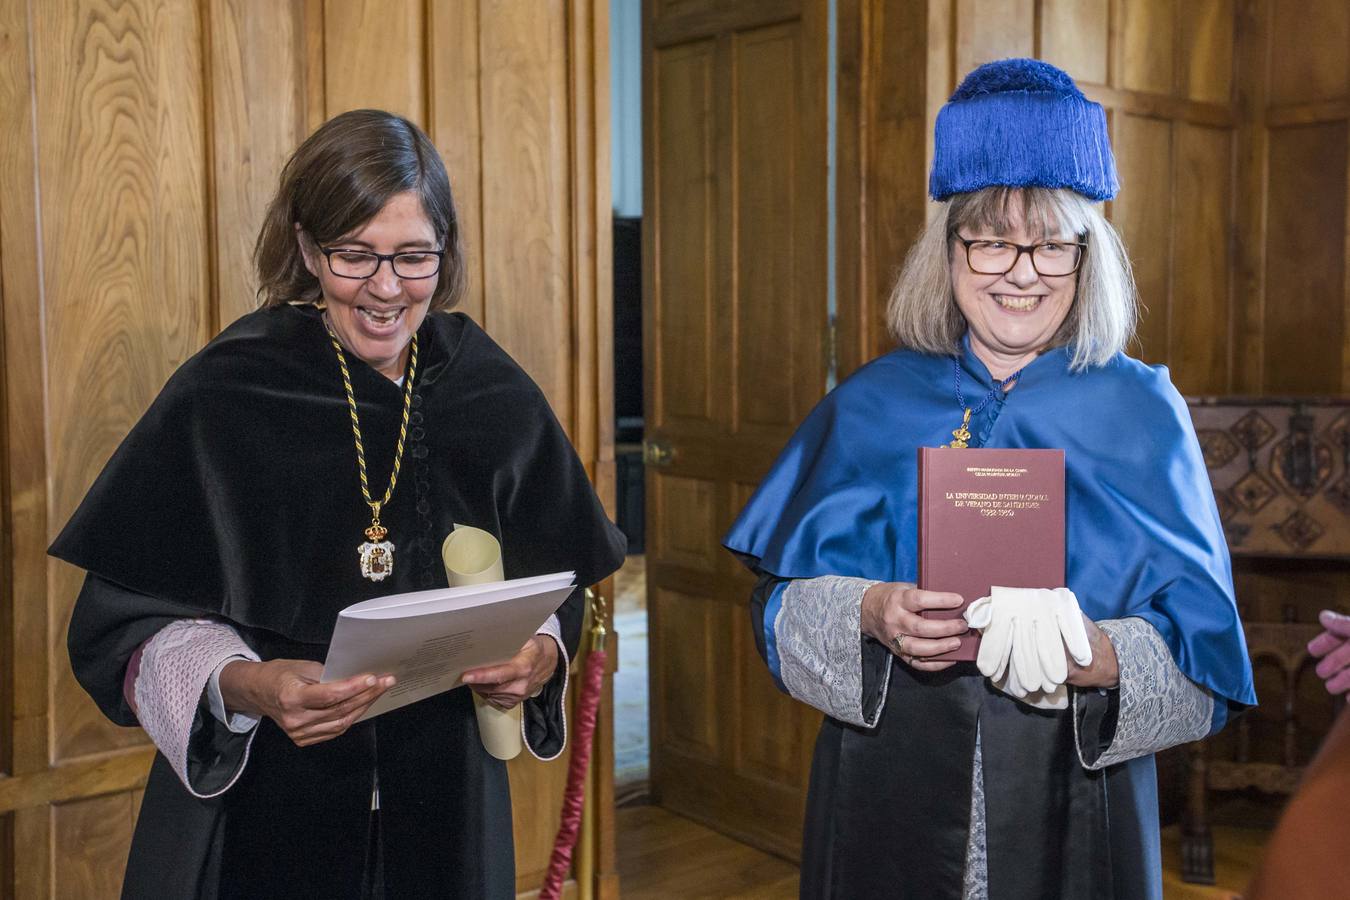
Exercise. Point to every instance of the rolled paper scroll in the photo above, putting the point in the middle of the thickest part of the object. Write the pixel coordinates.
(473, 556)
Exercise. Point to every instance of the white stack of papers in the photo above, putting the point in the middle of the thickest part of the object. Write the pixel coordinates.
(428, 639)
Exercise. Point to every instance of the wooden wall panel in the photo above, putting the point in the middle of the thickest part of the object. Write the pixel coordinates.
(1146, 45)
(91, 839)
(1144, 155)
(1205, 41)
(526, 196)
(1201, 220)
(125, 279)
(374, 55)
(884, 140)
(993, 29)
(7, 857)
(590, 203)
(24, 742)
(456, 128)
(1075, 35)
(33, 864)
(1308, 41)
(1305, 260)
(256, 86)
(1250, 84)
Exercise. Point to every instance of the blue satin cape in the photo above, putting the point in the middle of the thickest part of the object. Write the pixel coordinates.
(1143, 539)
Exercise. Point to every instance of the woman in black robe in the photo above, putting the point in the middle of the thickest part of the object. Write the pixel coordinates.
(221, 541)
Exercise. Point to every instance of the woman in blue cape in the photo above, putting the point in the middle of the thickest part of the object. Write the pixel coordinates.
(1030, 774)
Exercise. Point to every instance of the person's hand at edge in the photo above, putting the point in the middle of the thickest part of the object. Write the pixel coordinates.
(1332, 648)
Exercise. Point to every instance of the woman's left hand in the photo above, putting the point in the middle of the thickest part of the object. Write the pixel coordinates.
(520, 677)
(1104, 670)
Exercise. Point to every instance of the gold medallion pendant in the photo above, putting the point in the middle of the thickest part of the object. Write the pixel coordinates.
(377, 554)
(962, 434)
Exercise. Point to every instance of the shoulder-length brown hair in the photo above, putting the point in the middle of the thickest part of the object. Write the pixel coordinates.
(336, 181)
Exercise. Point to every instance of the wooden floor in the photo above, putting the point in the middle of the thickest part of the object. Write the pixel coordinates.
(662, 855)
(1236, 854)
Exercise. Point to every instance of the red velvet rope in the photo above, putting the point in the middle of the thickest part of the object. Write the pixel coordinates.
(588, 704)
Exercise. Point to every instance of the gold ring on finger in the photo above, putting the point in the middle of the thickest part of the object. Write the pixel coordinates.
(899, 642)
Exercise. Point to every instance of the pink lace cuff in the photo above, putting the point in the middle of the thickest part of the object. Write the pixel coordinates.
(167, 675)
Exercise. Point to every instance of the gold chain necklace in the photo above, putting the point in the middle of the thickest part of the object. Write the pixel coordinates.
(377, 554)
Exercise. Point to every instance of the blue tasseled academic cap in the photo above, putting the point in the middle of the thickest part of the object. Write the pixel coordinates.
(1021, 123)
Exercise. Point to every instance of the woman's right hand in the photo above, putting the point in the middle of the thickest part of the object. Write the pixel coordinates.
(891, 614)
(1332, 649)
(288, 692)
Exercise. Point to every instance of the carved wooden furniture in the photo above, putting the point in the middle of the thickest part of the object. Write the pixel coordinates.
(1285, 645)
(1280, 472)
(1280, 469)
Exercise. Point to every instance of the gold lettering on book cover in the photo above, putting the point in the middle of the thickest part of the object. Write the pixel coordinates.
(996, 504)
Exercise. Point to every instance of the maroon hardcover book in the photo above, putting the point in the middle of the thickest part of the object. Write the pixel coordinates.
(989, 517)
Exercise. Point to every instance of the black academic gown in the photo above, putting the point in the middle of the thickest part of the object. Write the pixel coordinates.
(236, 497)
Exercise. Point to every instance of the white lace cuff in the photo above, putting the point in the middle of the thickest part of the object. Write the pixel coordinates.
(1159, 707)
(176, 665)
(239, 723)
(819, 639)
(553, 628)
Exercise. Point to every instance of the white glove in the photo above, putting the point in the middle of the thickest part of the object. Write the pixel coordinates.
(1025, 635)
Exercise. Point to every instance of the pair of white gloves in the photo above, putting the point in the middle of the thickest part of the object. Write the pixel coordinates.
(1028, 634)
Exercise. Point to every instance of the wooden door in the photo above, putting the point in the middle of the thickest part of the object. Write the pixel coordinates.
(736, 320)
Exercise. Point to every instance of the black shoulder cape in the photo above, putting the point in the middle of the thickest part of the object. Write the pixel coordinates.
(237, 493)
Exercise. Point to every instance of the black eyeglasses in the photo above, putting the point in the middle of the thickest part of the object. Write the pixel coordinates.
(360, 264)
(1048, 258)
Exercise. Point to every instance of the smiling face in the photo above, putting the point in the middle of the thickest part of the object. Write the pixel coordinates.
(376, 317)
(1011, 317)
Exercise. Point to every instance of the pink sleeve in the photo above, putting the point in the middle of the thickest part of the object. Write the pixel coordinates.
(172, 671)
